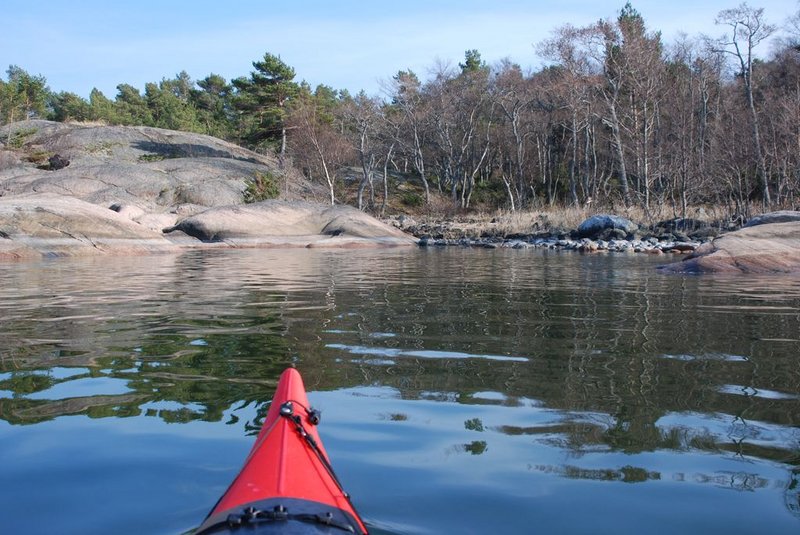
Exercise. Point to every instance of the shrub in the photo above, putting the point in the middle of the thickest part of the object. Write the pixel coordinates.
(19, 137)
(261, 187)
(151, 158)
(38, 157)
(411, 198)
(160, 156)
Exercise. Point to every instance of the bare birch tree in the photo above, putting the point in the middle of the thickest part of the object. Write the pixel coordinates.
(748, 30)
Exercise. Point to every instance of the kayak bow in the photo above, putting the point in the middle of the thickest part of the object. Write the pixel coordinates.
(287, 484)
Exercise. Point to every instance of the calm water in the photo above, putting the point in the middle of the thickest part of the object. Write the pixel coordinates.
(463, 391)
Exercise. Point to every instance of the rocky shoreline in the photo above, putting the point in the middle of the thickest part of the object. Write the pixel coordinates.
(767, 244)
(78, 190)
(586, 245)
(599, 233)
(85, 190)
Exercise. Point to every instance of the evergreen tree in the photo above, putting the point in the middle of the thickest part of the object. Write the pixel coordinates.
(181, 86)
(101, 107)
(262, 99)
(24, 96)
(472, 62)
(131, 108)
(169, 105)
(212, 103)
(67, 106)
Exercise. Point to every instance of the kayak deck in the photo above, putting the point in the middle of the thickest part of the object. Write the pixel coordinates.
(287, 484)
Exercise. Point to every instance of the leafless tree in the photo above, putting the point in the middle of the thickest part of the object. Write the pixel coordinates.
(318, 147)
(512, 95)
(578, 82)
(748, 29)
(615, 116)
(362, 115)
(406, 95)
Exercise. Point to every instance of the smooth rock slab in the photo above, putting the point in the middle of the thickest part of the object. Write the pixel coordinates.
(290, 223)
(781, 216)
(54, 225)
(152, 168)
(768, 248)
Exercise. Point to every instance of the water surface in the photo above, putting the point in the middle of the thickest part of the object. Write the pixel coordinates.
(463, 391)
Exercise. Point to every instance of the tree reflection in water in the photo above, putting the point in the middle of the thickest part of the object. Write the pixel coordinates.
(613, 356)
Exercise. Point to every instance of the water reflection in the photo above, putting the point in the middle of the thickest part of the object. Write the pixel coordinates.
(599, 365)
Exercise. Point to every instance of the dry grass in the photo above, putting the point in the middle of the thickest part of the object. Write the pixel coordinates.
(442, 212)
(97, 122)
(572, 217)
(549, 220)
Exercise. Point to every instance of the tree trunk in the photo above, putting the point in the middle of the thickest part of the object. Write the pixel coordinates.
(386, 178)
(329, 179)
(573, 189)
(282, 155)
(419, 164)
(762, 166)
(619, 151)
(510, 193)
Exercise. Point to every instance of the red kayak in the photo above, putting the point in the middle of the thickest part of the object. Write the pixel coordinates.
(287, 484)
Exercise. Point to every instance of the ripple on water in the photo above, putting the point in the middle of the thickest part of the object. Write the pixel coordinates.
(85, 387)
(722, 357)
(375, 362)
(171, 406)
(712, 430)
(419, 353)
(60, 372)
(460, 432)
(750, 391)
(382, 335)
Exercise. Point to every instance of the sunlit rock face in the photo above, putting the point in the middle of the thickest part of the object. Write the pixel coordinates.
(764, 248)
(75, 189)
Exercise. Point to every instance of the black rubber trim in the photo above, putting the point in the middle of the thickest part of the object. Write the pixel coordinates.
(287, 516)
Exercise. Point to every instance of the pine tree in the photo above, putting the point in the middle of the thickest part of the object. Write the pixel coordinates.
(68, 106)
(24, 96)
(263, 99)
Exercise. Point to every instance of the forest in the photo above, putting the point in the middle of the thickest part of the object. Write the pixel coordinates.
(615, 117)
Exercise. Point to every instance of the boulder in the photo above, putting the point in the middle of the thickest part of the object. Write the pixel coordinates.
(157, 222)
(782, 216)
(766, 248)
(606, 227)
(56, 162)
(682, 224)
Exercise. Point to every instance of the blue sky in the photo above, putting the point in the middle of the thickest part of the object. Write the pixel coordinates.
(346, 44)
